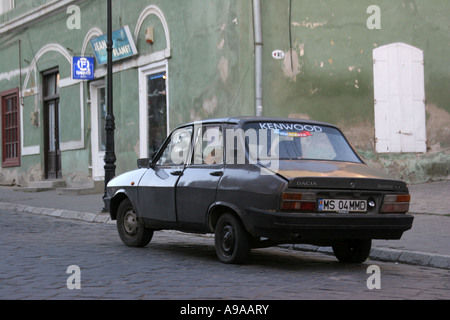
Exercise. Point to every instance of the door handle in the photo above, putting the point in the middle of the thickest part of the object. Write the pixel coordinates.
(177, 173)
(216, 173)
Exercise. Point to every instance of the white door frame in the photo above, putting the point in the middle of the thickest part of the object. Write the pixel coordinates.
(157, 67)
(98, 171)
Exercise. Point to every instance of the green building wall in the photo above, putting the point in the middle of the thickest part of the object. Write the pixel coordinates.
(327, 72)
(330, 77)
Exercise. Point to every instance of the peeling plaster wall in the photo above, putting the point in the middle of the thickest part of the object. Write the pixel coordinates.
(331, 47)
(438, 128)
(215, 76)
(327, 71)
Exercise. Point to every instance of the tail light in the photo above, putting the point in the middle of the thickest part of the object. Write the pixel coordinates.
(298, 201)
(395, 203)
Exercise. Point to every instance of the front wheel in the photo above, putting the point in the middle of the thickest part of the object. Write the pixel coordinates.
(132, 231)
(232, 241)
(353, 251)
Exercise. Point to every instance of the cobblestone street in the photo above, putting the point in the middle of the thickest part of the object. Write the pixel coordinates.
(36, 252)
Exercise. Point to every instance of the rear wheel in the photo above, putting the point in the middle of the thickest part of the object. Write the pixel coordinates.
(353, 251)
(232, 241)
(132, 231)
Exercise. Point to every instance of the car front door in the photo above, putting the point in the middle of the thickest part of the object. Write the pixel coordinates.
(157, 187)
(196, 189)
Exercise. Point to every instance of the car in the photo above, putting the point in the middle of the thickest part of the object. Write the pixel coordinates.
(257, 182)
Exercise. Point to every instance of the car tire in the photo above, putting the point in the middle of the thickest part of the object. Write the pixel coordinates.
(132, 231)
(353, 251)
(232, 241)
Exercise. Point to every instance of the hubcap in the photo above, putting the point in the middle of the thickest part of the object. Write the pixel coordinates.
(228, 239)
(130, 222)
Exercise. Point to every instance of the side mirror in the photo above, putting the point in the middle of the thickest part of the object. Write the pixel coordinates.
(143, 163)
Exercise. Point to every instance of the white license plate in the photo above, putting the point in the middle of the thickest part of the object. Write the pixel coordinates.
(339, 205)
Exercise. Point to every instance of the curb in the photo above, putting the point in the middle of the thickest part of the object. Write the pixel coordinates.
(389, 255)
(377, 253)
(59, 213)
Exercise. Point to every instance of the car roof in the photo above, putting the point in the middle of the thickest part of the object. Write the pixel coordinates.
(245, 119)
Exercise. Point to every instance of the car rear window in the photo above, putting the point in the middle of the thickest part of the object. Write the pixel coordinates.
(296, 141)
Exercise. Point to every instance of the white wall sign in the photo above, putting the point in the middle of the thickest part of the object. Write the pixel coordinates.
(278, 54)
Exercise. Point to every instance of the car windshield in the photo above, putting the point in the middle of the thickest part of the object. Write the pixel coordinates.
(295, 140)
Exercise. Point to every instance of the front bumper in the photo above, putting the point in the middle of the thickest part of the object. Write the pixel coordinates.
(286, 226)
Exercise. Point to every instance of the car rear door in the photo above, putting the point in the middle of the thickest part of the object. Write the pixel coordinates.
(196, 189)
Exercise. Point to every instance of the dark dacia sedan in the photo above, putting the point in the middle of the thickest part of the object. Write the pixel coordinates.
(259, 182)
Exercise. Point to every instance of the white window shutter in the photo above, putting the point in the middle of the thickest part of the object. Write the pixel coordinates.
(399, 99)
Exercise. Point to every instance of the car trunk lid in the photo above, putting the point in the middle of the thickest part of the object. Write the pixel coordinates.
(337, 175)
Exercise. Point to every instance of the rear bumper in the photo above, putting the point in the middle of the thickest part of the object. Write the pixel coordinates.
(281, 226)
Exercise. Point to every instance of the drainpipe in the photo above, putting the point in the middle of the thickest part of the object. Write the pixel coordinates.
(258, 57)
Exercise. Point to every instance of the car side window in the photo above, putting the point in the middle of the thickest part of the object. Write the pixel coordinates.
(178, 149)
(208, 147)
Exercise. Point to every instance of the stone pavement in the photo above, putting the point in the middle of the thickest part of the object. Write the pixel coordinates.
(426, 244)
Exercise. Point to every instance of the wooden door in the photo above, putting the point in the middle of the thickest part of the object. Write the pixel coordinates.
(52, 150)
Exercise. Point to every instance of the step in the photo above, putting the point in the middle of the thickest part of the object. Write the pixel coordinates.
(77, 191)
(49, 184)
(44, 185)
(92, 187)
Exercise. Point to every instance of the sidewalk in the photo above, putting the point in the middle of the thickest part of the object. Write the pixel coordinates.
(426, 244)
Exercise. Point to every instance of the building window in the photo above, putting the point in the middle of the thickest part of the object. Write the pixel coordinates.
(157, 110)
(153, 108)
(10, 128)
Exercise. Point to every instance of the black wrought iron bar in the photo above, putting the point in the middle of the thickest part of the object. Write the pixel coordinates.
(110, 156)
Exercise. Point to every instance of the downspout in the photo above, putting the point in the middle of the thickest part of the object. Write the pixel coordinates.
(258, 57)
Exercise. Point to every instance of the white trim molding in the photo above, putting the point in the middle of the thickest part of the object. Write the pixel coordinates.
(51, 47)
(67, 82)
(94, 32)
(35, 15)
(152, 9)
(161, 66)
(149, 63)
(97, 163)
(45, 49)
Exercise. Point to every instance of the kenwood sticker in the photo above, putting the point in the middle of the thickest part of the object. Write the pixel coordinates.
(289, 126)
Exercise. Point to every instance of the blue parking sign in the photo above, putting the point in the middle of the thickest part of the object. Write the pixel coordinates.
(83, 68)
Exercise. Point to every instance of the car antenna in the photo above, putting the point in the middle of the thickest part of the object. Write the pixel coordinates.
(238, 92)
